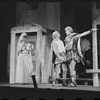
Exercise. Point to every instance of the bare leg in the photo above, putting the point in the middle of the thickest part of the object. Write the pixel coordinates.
(64, 74)
(73, 71)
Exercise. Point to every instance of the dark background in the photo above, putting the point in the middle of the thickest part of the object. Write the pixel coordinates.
(82, 22)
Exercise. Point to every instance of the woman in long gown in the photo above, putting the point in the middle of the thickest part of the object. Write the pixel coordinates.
(24, 68)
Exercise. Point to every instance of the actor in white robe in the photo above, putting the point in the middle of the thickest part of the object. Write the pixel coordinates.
(60, 57)
(24, 68)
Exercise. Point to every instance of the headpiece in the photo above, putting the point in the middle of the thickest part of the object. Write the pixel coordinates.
(22, 36)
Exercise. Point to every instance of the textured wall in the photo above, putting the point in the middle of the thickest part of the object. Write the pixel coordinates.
(47, 14)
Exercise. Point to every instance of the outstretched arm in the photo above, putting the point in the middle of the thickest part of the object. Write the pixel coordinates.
(85, 33)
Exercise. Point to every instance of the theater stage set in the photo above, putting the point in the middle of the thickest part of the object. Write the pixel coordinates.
(41, 38)
(89, 90)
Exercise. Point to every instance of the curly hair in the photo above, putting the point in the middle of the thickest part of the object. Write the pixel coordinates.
(69, 29)
(56, 34)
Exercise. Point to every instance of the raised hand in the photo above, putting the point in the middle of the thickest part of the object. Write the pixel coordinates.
(94, 29)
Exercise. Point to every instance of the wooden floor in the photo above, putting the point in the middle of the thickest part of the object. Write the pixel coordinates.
(59, 86)
(48, 92)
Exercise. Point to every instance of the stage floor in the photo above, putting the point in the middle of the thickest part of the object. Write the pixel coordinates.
(49, 86)
(48, 92)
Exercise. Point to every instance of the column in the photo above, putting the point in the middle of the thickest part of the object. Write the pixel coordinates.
(96, 80)
(12, 58)
(38, 55)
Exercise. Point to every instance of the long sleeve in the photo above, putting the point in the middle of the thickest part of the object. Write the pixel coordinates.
(19, 47)
(55, 49)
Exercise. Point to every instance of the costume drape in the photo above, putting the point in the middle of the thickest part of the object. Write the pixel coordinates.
(24, 67)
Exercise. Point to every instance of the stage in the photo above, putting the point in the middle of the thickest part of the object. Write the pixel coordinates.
(48, 92)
